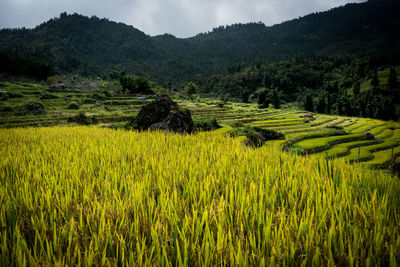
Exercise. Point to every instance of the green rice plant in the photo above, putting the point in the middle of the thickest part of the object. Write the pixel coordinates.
(323, 132)
(323, 142)
(368, 126)
(366, 153)
(395, 135)
(385, 134)
(94, 196)
(344, 148)
(359, 123)
(262, 122)
(383, 157)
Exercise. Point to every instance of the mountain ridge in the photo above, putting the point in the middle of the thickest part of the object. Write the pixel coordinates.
(92, 46)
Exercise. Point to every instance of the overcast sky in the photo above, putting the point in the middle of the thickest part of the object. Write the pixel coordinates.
(182, 18)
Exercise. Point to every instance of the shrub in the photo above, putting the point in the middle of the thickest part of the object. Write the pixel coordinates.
(33, 108)
(206, 124)
(5, 97)
(109, 93)
(191, 90)
(15, 94)
(254, 139)
(88, 101)
(135, 84)
(120, 125)
(262, 106)
(269, 134)
(6, 109)
(98, 96)
(48, 96)
(82, 119)
(237, 124)
(73, 105)
(257, 136)
(369, 136)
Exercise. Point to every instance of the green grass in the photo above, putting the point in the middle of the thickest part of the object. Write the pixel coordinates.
(344, 148)
(369, 126)
(311, 144)
(323, 132)
(383, 157)
(385, 134)
(367, 152)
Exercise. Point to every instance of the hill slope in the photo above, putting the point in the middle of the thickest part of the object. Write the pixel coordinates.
(78, 44)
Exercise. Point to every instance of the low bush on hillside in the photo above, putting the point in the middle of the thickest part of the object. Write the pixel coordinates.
(6, 109)
(45, 96)
(73, 105)
(257, 136)
(15, 94)
(206, 124)
(31, 108)
(87, 100)
(82, 119)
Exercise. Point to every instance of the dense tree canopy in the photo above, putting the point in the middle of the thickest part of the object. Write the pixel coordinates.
(135, 84)
(96, 47)
(349, 85)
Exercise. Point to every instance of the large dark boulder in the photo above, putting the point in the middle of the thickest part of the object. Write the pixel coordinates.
(164, 114)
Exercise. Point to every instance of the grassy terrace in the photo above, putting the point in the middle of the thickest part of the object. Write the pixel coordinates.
(343, 149)
(310, 145)
(340, 136)
(324, 135)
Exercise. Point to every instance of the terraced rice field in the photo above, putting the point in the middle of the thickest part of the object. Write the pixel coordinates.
(341, 137)
(335, 136)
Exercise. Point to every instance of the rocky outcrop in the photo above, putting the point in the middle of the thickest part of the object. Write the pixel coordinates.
(164, 114)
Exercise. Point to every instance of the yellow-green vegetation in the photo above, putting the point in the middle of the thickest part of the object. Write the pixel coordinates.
(367, 151)
(357, 140)
(92, 196)
(324, 142)
(344, 148)
(383, 157)
(340, 135)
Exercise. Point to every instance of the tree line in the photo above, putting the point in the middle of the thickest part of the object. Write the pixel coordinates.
(346, 85)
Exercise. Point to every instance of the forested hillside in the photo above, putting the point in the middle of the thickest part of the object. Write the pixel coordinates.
(344, 85)
(92, 46)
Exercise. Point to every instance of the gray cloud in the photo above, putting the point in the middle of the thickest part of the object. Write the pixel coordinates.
(182, 18)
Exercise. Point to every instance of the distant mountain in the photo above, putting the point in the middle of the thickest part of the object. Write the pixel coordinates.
(93, 46)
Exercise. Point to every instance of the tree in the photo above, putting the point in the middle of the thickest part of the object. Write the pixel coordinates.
(245, 95)
(340, 105)
(191, 90)
(392, 81)
(356, 88)
(308, 102)
(276, 100)
(375, 80)
(321, 103)
(263, 99)
(328, 104)
(168, 86)
(135, 84)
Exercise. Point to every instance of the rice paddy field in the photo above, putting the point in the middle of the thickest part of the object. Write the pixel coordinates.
(341, 137)
(90, 195)
(94, 196)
